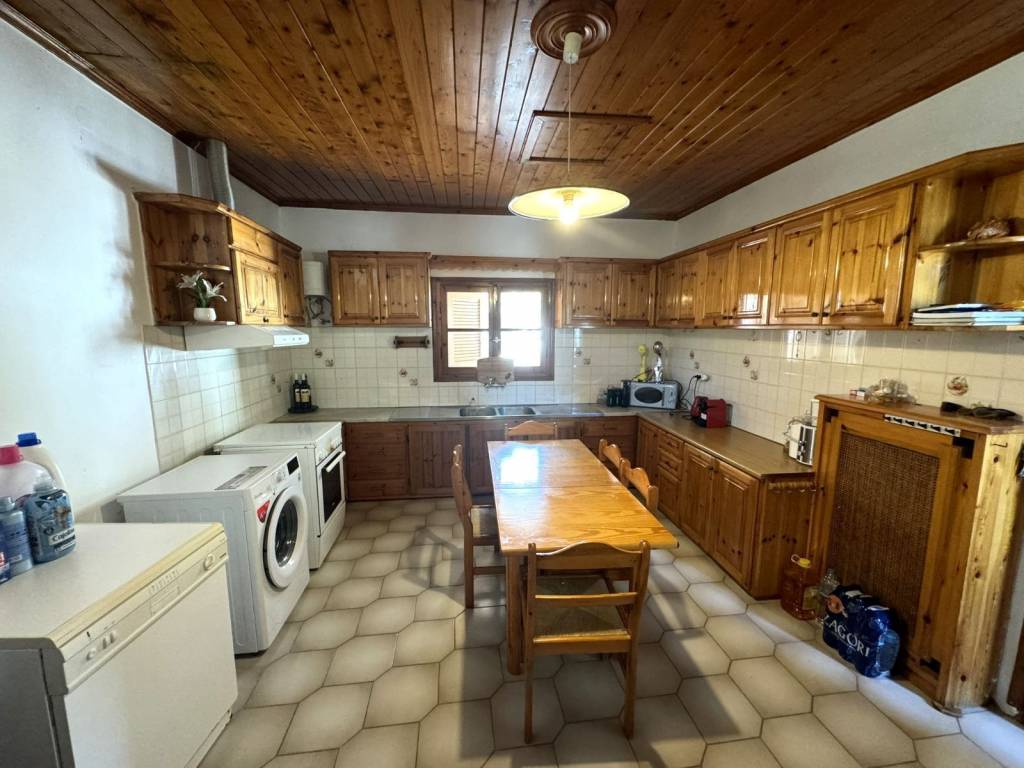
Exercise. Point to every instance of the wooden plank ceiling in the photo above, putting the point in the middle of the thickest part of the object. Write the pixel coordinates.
(431, 104)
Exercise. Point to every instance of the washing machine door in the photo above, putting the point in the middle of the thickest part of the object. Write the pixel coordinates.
(284, 536)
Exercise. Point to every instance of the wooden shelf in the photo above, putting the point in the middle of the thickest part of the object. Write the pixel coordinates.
(989, 244)
(189, 267)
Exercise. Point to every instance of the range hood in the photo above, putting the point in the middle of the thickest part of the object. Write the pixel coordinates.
(231, 336)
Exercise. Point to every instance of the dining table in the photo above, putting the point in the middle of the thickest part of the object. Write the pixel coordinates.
(555, 493)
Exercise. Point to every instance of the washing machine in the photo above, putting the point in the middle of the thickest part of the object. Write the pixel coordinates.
(259, 500)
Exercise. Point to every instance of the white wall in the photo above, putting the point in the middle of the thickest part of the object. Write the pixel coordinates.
(983, 111)
(73, 297)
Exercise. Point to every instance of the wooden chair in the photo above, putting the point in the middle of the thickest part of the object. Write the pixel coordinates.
(532, 430)
(636, 477)
(611, 454)
(566, 615)
(479, 526)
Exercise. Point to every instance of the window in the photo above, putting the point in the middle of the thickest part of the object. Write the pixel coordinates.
(476, 318)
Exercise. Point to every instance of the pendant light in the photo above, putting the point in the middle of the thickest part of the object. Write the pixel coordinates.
(568, 203)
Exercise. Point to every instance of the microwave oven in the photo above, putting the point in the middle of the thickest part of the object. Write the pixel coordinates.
(663, 395)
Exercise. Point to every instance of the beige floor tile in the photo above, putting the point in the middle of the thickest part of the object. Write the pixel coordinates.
(406, 582)
(385, 512)
(362, 660)
(741, 593)
(440, 603)
(778, 624)
(739, 637)
(751, 753)
(650, 628)
(331, 573)
(662, 556)
(687, 547)
(771, 689)
(588, 690)
(694, 652)
(419, 506)
(480, 626)
(447, 573)
(328, 629)
(655, 673)
(446, 502)
(699, 569)
(391, 614)
(422, 556)
(488, 591)
(310, 602)
(594, 744)
(423, 642)
(434, 535)
(471, 720)
(325, 759)
(1000, 737)
(545, 666)
(507, 707)
(392, 542)
(328, 718)
(246, 678)
(251, 738)
(442, 517)
(375, 564)
(367, 530)
(817, 667)
(407, 523)
(350, 549)
(955, 751)
(719, 708)
(716, 599)
(867, 734)
(665, 578)
(291, 678)
(354, 593)
(392, 746)
(676, 611)
(281, 645)
(665, 735)
(907, 707)
(541, 756)
(801, 741)
(403, 695)
(470, 673)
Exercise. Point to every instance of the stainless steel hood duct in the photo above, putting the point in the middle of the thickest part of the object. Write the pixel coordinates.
(220, 178)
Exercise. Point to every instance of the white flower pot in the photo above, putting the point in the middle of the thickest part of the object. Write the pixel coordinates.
(204, 314)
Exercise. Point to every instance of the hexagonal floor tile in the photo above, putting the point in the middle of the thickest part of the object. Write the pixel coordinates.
(251, 738)
(419, 506)
(291, 678)
(447, 573)
(588, 690)
(665, 578)
(507, 707)
(325, 759)
(719, 708)
(367, 530)
(664, 734)
(694, 652)
(480, 626)
(545, 666)
(392, 746)
(650, 628)
(331, 573)
(676, 611)
(406, 582)
(354, 593)
(393, 541)
(821, 671)
(362, 659)
(955, 751)
(384, 512)
(779, 625)
(699, 569)
(867, 734)
(328, 629)
(309, 603)
(327, 719)
(471, 720)
(739, 637)
(802, 741)
(750, 753)
(425, 641)
(375, 564)
(407, 523)
(350, 549)
(391, 614)
(403, 695)
(592, 744)
(716, 599)
(421, 556)
(905, 705)
(470, 673)
(440, 603)
(541, 756)
(771, 689)
(655, 674)
(442, 517)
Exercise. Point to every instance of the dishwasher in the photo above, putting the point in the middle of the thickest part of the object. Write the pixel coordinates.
(118, 655)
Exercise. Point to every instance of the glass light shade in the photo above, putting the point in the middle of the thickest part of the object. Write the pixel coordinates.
(554, 203)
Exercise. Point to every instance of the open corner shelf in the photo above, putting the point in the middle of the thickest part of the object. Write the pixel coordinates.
(989, 244)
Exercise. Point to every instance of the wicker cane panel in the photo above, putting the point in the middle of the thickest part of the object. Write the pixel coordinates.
(880, 522)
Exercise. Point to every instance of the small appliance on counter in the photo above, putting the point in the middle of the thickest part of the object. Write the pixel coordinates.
(645, 394)
(800, 435)
(708, 412)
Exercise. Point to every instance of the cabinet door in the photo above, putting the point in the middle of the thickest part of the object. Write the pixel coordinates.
(567, 429)
(292, 299)
(717, 303)
(632, 294)
(647, 450)
(587, 301)
(430, 457)
(666, 314)
(690, 281)
(479, 433)
(377, 461)
(733, 515)
(354, 296)
(695, 497)
(798, 279)
(751, 277)
(259, 293)
(670, 455)
(404, 290)
(866, 254)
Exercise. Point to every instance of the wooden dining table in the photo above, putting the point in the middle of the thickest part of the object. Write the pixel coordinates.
(554, 493)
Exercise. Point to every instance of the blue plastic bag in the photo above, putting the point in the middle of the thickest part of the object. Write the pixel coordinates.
(858, 627)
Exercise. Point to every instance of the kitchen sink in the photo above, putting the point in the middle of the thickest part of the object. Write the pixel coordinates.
(483, 410)
(516, 410)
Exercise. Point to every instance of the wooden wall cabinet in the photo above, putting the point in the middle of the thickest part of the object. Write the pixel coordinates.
(799, 269)
(379, 288)
(596, 294)
(293, 299)
(430, 456)
(259, 289)
(678, 289)
(716, 304)
(587, 296)
(751, 277)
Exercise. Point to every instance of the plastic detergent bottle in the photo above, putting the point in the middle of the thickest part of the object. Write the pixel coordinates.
(799, 589)
(51, 526)
(32, 449)
(18, 477)
(12, 525)
(5, 564)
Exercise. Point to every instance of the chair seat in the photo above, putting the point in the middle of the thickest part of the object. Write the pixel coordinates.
(485, 520)
(575, 620)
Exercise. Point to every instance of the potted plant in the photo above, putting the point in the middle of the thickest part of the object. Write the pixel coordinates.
(204, 292)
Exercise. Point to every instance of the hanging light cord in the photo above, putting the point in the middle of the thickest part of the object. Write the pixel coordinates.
(568, 151)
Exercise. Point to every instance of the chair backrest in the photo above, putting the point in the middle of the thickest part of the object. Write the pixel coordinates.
(531, 430)
(611, 454)
(460, 488)
(636, 477)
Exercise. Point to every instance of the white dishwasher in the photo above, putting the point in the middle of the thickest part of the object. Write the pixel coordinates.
(118, 655)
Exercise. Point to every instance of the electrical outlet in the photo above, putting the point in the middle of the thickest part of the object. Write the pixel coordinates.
(704, 377)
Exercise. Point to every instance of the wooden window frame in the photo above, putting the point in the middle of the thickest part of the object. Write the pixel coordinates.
(439, 287)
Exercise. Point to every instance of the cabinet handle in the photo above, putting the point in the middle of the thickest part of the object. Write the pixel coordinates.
(825, 314)
(814, 314)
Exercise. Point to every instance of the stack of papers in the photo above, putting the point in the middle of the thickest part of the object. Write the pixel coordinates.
(967, 315)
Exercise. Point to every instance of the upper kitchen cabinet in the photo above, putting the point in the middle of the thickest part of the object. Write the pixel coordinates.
(678, 285)
(867, 248)
(260, 270)
(379, 288)
(606, 293)
(801, 261)
(751, 277)
(716, 305)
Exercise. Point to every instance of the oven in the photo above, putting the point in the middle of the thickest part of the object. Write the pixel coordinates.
(330, 486)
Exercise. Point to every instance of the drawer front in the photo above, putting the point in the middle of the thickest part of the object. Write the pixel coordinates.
(670, 446)
(668, 464)
(611, 426)
(363, 490)
(375, 433)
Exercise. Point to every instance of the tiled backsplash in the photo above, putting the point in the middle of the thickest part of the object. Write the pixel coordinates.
(201, 397)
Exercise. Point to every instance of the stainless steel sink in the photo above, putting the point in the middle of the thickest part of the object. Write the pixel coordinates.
(482, 410)
(516, 410)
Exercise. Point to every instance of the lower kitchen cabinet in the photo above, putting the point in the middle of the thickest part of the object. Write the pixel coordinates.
(734, 510)
(695, 509)
(620, 430)
(376, 461)
(669, 474)
(430, 456)
(479, 433)
(647, 449)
